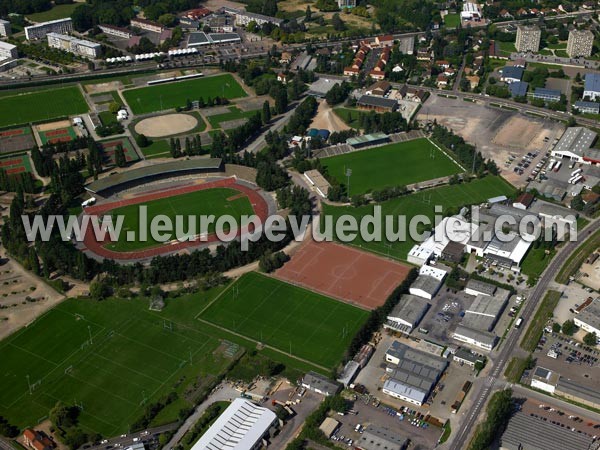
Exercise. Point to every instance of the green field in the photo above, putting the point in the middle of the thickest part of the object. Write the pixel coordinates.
(41, 105)
(171, 95)
(209, 201)
(536, 261)
(158, 149)
(134, 354)
(57, 12)
(395, 164)
(234, 114)
(450, 197)
(452, 20)
(289, 318)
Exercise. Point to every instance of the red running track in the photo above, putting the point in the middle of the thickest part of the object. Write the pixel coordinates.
(261, 209)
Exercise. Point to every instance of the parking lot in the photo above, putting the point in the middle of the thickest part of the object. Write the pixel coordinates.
(444, 315)
(407, 422)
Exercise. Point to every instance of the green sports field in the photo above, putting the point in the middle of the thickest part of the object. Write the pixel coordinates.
(171, 95)
(133, 355)
(451, 198)
(395, 164)
(217, 201)
(41, 105)
(315, 327)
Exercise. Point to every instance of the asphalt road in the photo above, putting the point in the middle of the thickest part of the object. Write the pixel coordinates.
(461, 438)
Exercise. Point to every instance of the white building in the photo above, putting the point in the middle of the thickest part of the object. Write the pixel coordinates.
(147, 25)
(318, 181)
(508, 249)
(580, 43)
(591, 88)
(242, 426)
(407, 314)
(73, 45)
(588, 318)
(39, 31)
(8, 51)
(476, 287)
(575, 141)
(320, 384)
(544, 380)
(470, 11)
(480, 339)
(5, 29)
(243, 18)
(528, 38)
(116, 31)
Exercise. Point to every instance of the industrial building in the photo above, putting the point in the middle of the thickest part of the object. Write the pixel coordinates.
(485, 310)
(528, 38)
(39, 31)
(320, 384)
(73, 45)
(466, 356)
(580, 43)
(200, 38)
(242, 426)
(574, 143)
(476, 338)
(8, 51)
(5, 28)
(525, 432)
(407, 314)
(367, 140)
(579, 393)
(507, 250)
(591, 86)
(470, 11)
(412, 373)
(588, 318)
(428, 283)
(350, 371)
(518, 88)
(328, 426)
(544, 379)
(381, 438)
(476, 287)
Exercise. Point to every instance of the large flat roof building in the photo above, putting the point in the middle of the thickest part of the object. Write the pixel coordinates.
(244, 18)
(544, 379)
(477, 287)
(381, 438)
(320, 384)
(5, 28)
(588, 318)
(476, 338)
(528, 38)
(407, 314)
(425, 286)
(572, 390)
(413, 373)
(376, 103)
(242, 426)
(580, 43)
(574, 143)
(40, 30)
(525, 432)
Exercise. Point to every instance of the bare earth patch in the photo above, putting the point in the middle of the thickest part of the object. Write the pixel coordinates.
(328, 120)
(168, 125)
(53, 125)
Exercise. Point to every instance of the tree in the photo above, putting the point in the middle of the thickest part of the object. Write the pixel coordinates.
(281, 101)
(569, 328)
(99, 290)
(34, 263)
(270, 8)
(63, 416)
(590, 339)
(266, 113)
(120, 160)
(338, 23)
(114, 107)
(308, 14)
(556, 328)
(142, 140)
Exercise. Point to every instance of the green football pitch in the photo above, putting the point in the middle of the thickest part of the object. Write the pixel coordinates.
(110, 358)
(215, 201)
(171, 95)
(395, 164)
(292, 319)
(41, 105)
(450, 198)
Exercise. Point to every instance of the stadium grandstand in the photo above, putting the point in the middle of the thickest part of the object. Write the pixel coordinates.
(125, 180)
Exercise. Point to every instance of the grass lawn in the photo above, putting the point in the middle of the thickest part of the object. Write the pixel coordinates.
(157, 149)
(395, 164)
(536, 261)
(452, 20)
(170, 95)
(209, 201)
(577, 258)
(41, 105)
(131, 356)
(506, 47)
(449, 197)
(234, 114)
(287, 317)
(57, 12)
(537, 324)
(107, 118)
(350, 116)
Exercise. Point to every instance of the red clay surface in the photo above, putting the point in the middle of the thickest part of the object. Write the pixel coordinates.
(261, 209)
(11, 133)
(343, 272)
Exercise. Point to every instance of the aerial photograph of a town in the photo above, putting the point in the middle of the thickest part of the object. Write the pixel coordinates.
(299, 224)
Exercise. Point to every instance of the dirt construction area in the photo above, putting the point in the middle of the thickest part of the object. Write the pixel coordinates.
(22, 297)
(326, 119)
(343, 272)
(497, 133)
(168, 125)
